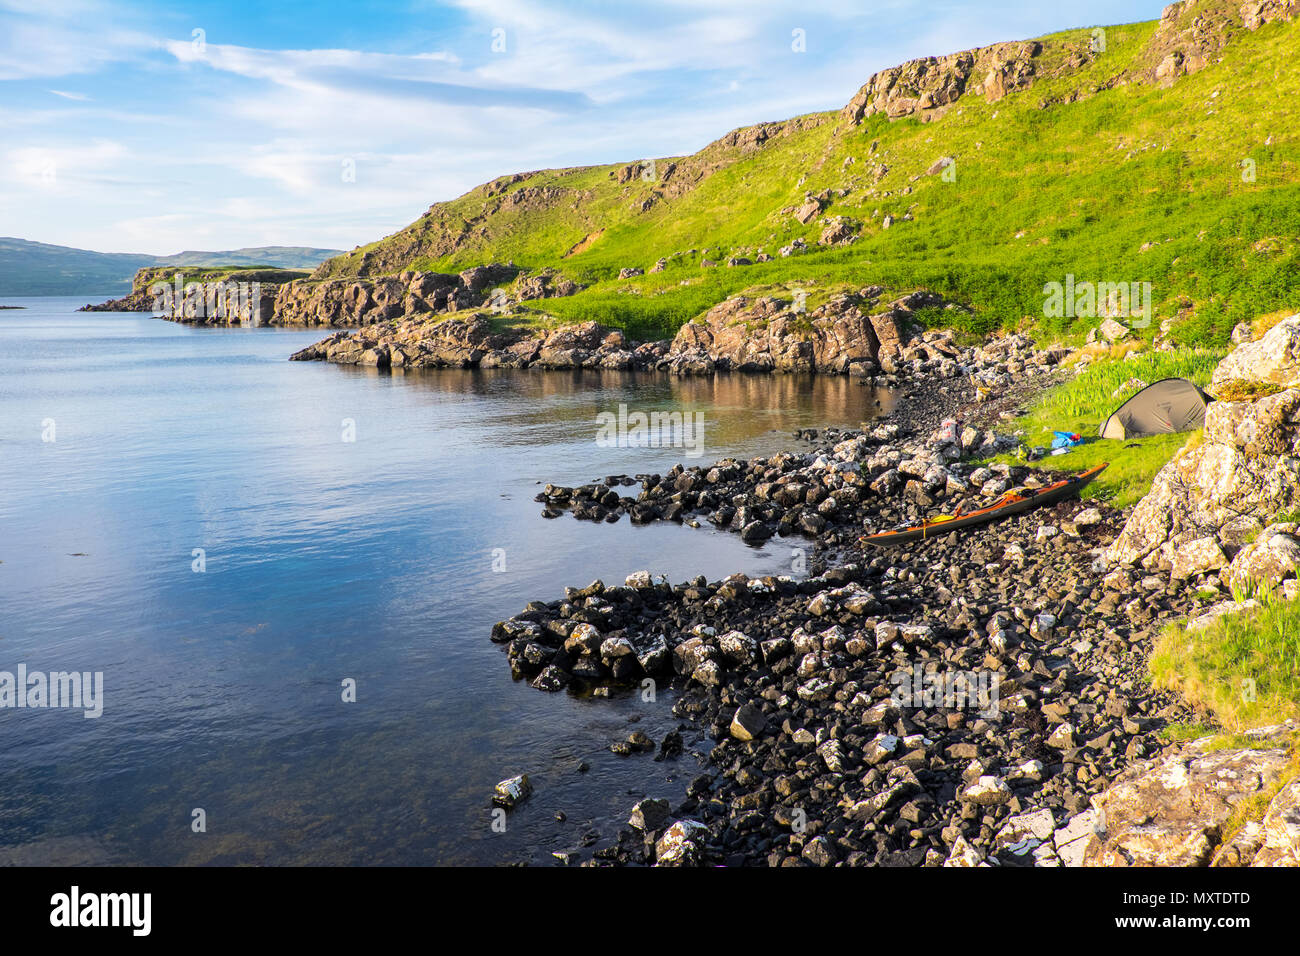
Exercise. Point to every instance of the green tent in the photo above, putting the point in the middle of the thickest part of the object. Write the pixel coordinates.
(1162, 408)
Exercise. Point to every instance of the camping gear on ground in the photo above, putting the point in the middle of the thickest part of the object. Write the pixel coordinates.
(1013, 502)
(1066, 440)
(1162, 408)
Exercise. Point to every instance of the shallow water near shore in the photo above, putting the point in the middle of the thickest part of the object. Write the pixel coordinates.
(383, 559)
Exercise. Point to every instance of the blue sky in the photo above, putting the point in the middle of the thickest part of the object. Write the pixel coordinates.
(155, 127)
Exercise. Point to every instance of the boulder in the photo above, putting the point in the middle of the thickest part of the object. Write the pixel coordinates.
(987, 791)
(1274, 359)
(1266, 561)
(748, 722)
(1113, 331)
(649, 815)
(510, 793)
(1025, 832)
(1198, 557)
(682, 844)
(927, 87)
(963, 854)
(1169, 811)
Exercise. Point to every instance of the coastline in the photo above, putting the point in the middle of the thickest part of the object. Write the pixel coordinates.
(785, 682)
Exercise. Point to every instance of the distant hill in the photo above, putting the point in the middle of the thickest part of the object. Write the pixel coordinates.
(37, 268)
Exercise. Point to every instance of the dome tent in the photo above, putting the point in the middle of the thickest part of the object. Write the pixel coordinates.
(1162, 408)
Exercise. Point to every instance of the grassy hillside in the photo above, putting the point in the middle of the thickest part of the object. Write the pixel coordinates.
(1099, 171)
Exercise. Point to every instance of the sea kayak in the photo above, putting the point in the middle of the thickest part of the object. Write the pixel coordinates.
(1012, 503)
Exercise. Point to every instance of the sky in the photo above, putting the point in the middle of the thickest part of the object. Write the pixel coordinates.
(154, 127)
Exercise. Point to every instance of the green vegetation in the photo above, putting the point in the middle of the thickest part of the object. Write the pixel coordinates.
(1237, 390)
(1080, 174)
(1082, 404)
(217, 273)
(1185, 733)
(1086, 401)
(1244, 669)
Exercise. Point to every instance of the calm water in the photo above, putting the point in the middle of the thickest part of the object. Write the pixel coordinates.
(325, 560)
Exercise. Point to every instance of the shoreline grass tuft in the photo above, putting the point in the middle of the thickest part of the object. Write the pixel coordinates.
(1244, 669)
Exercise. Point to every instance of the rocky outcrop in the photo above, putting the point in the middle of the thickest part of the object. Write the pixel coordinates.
(1188, 37)
(1245, 471)
(1192, 33)
(1280, 836)
(927, 87)
(1256, 13)
(850, 334)
(385, 298)
(1173, 810)
(847, 334)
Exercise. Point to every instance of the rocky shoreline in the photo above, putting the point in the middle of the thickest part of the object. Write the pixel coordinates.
(978, 699)
(811, 757)
(854, 333)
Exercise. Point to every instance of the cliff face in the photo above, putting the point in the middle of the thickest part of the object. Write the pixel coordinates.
(927, 87)
(344, 302)
(1189, 35)
(412, 293)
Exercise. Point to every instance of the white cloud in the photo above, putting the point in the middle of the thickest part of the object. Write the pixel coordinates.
(63, 39)
(61, 168)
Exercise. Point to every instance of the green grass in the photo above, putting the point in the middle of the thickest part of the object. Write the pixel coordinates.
(1044, 187)
(1082, 404)
(1086, 401)
(188, 274)
(1181, 733)
(1212, 669)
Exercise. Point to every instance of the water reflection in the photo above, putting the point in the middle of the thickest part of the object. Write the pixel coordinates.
(371, 560)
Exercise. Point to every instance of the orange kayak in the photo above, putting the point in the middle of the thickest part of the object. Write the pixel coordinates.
(1012, 503)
